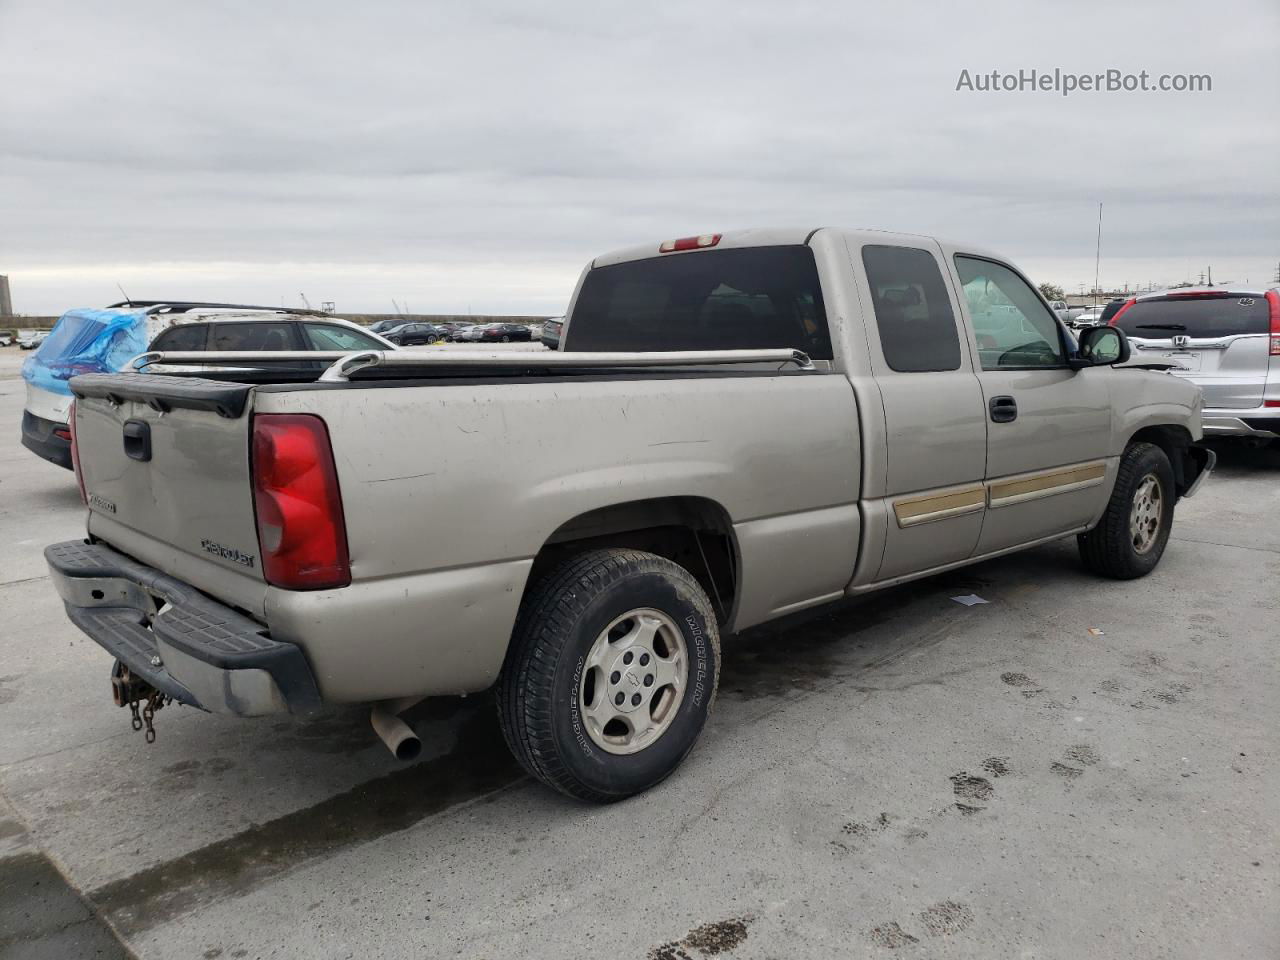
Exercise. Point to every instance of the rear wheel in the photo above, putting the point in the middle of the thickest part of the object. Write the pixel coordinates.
(611, 674)
(1130, 538)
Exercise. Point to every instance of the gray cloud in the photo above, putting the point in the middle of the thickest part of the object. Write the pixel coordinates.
(479, 153)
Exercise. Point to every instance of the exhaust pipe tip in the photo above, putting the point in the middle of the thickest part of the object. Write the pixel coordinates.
(408, 749)
(396, 734)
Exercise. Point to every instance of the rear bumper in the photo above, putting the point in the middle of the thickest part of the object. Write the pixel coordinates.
(184, 644)
(39, 437)
(1260, 422)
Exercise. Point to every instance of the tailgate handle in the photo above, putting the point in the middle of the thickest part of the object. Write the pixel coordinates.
(137, 440)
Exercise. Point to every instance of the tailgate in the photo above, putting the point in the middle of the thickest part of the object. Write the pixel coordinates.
(165, 466)
(1231, 371)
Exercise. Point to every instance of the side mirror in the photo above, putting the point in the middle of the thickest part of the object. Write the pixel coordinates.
(1101, 347)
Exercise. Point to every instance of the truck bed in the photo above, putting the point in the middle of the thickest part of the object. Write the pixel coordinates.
(454, 476)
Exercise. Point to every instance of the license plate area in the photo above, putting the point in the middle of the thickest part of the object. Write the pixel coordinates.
(1189, 362)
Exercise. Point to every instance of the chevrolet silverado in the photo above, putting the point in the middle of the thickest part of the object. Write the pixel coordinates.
(735, 427)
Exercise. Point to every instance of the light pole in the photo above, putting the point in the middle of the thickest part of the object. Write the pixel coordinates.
(1097, 257)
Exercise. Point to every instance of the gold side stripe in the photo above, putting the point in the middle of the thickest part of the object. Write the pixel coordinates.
(1046, 484)
(939, 506)
(928, 507)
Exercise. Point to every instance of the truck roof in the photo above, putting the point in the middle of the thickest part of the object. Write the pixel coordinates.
(781, 236)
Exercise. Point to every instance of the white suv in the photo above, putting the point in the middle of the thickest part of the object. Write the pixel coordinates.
(1227, 340)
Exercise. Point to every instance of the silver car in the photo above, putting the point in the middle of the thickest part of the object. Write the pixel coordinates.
(1225, 340)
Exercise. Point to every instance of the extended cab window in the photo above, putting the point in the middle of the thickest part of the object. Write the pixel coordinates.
(252, 336)
(187, 337)
(1014, 328)
(913, 313)
(751, 298)
(322, 336)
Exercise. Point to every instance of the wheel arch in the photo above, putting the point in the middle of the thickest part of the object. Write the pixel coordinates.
(1176, 442)
(695, 532)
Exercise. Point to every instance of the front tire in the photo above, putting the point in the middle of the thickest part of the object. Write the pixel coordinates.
(1130, 538)
(611, 674)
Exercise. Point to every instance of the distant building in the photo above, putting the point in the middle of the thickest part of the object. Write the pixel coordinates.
(6, 304)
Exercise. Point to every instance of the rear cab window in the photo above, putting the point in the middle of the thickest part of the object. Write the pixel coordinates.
(1199, 317)
(736, 299)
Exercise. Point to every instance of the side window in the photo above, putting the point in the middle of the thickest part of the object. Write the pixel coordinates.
(189, 336)
(252, 336)
(1014, 329)
(321, 336)
(913, 313)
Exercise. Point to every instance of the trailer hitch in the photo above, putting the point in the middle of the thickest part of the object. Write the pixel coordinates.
(142, 699)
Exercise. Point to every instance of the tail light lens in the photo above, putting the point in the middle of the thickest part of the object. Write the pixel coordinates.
(301, 530)
(1120, 313)
(1273, 304)
(75, 452)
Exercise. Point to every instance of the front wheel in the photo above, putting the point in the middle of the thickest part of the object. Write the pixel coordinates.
(1131, 536)
(611, 673)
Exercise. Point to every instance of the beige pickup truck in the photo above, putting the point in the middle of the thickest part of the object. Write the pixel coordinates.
(736, 427)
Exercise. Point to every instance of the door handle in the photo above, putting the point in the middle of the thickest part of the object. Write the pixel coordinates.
(1004, 409)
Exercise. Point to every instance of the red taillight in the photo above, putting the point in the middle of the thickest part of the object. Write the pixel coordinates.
(1271, 403)
(1119, 313)
(301, 529)
(75, 451)
(1273, 305)
(690, 243)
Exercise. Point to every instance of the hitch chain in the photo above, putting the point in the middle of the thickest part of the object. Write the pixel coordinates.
(133, 693)
(155, 701)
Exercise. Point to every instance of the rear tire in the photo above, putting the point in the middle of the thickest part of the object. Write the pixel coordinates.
(601, 625)
(1130, 538)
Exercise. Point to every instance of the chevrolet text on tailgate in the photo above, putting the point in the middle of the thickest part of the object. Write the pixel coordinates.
(735, 427)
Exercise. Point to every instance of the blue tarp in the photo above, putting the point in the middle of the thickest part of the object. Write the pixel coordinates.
(86, 341)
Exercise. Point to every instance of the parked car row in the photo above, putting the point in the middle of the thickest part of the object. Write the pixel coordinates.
(1080, 318)
(104, 341)
(417, 333)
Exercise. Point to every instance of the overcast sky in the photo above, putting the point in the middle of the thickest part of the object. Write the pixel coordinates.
(474, 156)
